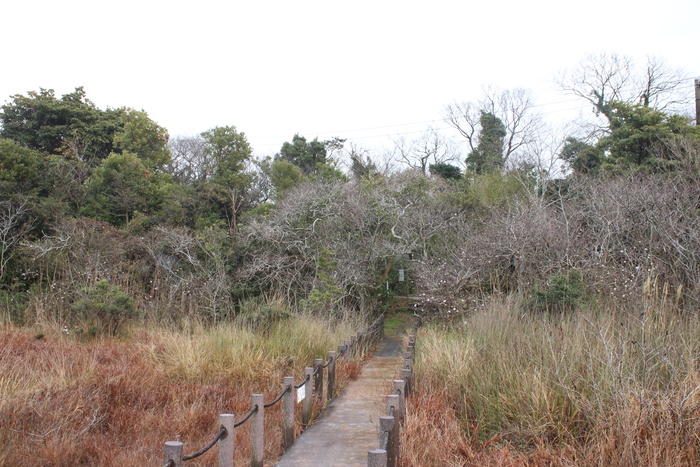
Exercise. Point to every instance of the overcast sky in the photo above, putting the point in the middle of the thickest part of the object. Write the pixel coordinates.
(363, 70)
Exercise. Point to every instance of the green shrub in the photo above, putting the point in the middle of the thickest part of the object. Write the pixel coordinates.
(563, 294)
(104, 309)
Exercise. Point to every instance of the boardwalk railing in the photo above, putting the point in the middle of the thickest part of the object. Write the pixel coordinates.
(390, 424)
(309, 388)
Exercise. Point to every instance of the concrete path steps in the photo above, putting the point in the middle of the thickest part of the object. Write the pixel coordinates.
(349, 426)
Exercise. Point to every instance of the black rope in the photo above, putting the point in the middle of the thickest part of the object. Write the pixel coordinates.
(277, 399)
(318, 368)
(302, 383)
(330, 359)
(245, 419)
(195, 455)
(170, 463)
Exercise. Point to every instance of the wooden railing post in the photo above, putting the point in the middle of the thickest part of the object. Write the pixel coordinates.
(308, 404)
(347, 349)
(318, 378)
(407, 375)
(331, 374)
(288, 412)
(386, 427)
(392, 400)
(226, 442)
(376, 458)
(400, 390)
(173, 452)
(257, 431)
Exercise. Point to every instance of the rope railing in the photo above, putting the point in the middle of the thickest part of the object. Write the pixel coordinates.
(247, 416)
(278, 398)
(311, 386)
(303, 382)
(195, 455)
(389, 425)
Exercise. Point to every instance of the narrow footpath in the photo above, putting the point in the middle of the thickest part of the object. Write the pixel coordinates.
(349, 426)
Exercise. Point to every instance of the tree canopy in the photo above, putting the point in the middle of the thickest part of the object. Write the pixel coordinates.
(73, 126)
(638, 137)
(305, 155)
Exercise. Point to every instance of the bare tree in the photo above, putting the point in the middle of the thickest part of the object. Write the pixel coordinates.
(514, 107)
(14, 226)
(189, 161)
(430, 148)
(602, 78)
(662, 87)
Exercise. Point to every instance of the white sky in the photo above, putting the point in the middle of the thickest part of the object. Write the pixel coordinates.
(362, 70)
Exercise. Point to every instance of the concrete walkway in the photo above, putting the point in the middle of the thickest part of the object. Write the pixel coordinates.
(349, 426)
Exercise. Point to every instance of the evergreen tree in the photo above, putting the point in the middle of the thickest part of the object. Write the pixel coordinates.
(488, 155)
(303, 154)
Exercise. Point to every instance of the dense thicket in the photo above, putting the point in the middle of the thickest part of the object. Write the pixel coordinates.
(97, 203)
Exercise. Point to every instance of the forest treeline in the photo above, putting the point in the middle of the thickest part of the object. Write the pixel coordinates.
(105, 218)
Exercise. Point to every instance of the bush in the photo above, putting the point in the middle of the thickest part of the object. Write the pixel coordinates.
(563, 295)
(104, 309)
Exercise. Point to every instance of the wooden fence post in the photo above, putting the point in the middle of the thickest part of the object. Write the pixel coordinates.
(407, 376)
(257, 431)
(376, 458)
(331, 374)
(386, 427)
(318, 378)
(392, 400)
(308, 404)
(173, 452)
(288, 411)
(226, 442)
(400, 388)
(346, 351)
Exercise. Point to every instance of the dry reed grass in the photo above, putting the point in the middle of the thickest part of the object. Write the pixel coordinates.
(619, 387)
(107, 402)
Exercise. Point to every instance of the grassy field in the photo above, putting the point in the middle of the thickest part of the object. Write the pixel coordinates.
(67, 401)
(619, 387)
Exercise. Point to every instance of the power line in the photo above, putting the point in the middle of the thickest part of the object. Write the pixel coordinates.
(443, 121)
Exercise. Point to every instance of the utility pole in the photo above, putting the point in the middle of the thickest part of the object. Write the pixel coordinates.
(697, 101)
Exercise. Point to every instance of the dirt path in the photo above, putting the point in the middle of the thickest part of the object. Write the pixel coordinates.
(349, 426)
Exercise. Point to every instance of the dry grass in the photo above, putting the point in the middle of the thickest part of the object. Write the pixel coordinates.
(64, 402)
(613, 388)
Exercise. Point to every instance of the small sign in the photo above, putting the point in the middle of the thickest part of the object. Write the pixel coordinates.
(301, 394)
(401, 275)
